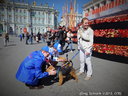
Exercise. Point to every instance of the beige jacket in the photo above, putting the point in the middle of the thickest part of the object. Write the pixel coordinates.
(85, 39)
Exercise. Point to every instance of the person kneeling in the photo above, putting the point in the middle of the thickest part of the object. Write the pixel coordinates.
(30, 70)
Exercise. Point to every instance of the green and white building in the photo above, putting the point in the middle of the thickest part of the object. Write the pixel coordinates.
(15, 16)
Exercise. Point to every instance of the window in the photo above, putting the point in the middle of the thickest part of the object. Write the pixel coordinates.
(38, 20)
(2, 8)
(20, 19)
(43, 13)
(98, 5)
(49, 20)
(16, 10)
(35, 20)
(104, 2)
(10, 18)
(16, 20)
(35, 13)
(2, 17)
(42, 21)
(20, 10)
(9, 9)
(24, 11)
(24, 19)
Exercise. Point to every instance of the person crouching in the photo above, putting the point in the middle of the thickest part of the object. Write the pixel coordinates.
(30, 70)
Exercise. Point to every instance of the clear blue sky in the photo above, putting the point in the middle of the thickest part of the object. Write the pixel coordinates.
(58, 4)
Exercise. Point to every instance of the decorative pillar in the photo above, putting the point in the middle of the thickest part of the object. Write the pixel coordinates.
(45, 18)
(28, 20)
(52, 19)
(6, 19)
(13, 20)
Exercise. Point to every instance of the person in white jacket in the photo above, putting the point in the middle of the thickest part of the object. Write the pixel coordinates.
(85, 43)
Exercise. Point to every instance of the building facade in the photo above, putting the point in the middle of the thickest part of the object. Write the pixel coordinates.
(70, 17)
(71, 20)
(16, 17)
(101, 8)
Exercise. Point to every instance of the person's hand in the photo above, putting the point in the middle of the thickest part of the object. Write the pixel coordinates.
(61, 59)
(52, 72)
(87, 53)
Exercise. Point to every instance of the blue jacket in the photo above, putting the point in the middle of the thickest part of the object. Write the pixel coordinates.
(30, 70)
(58, 47)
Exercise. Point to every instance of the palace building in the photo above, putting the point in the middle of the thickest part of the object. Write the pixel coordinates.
(15, 17)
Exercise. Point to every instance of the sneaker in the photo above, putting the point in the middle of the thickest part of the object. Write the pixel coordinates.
(79, 73)
(87, 78)
(34, 87)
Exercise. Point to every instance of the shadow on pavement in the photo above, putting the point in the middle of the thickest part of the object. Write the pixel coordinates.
(11, 45)
(34, 43)
(47, 81)
(110, 57)
(68, 50)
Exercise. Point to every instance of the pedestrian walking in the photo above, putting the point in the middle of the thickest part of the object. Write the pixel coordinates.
(27, 38)
(6, 38)
(31, 37)
(21, 36)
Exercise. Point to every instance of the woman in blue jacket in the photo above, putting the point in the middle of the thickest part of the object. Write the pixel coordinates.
(30, 70)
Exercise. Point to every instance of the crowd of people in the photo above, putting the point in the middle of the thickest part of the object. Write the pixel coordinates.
(31, 37)
(30, 70)
(33, 67)
(62, 35)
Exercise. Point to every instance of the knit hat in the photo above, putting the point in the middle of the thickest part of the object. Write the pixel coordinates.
(45, 49)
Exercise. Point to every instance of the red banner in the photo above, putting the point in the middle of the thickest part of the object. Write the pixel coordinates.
(107, 6)
(25, 30)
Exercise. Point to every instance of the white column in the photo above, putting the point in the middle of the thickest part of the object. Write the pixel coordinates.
(52, 19)
(6, 19)
(13, 20)
(45, 18)
(28, 20)
(13, 15)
